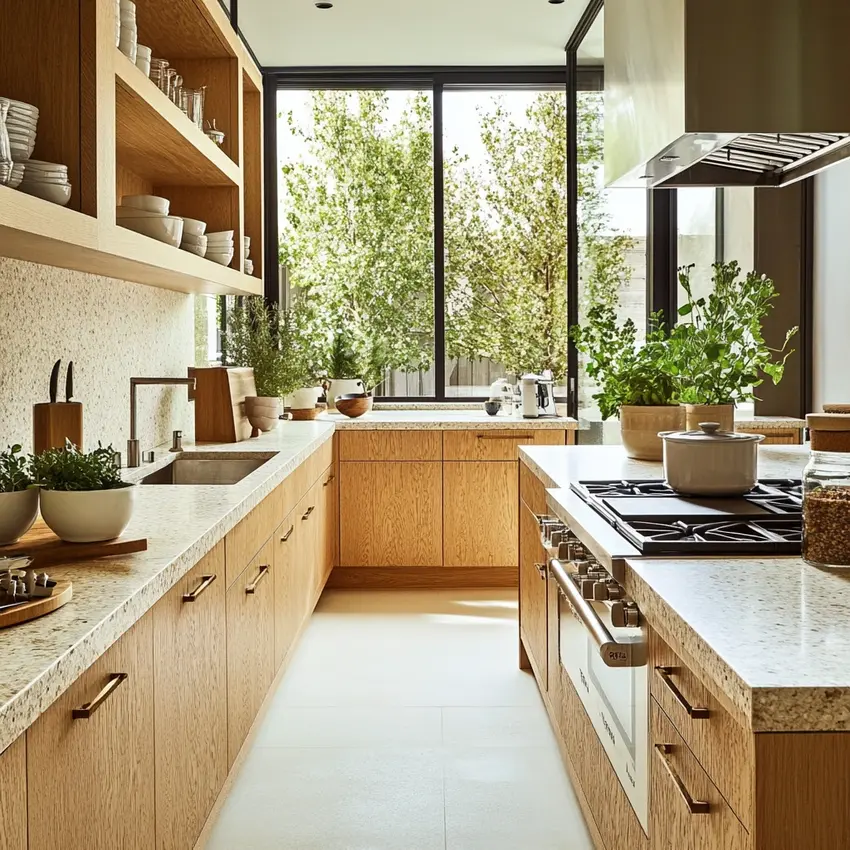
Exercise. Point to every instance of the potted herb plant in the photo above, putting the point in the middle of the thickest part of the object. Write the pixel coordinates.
(18, 498)
(343, 368)
(717, 353)
(632, 383)
(83, 498)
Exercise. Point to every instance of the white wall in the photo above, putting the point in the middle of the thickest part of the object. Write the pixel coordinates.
(832, 286)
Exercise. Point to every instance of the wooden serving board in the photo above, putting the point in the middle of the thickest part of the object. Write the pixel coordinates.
(62, 594)
(46, 549)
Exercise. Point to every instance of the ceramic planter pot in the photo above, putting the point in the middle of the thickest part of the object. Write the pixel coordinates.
(639, 427)
(710, 461)
(723, 414)
(263, 412)
(344, 386)
(18, 511)
(305, 398)
(88, 516)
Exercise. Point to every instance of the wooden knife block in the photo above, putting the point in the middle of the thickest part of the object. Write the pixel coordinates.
(53, 423)
(220, 393)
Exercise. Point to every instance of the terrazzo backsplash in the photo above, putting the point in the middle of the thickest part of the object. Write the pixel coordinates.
(112, 330)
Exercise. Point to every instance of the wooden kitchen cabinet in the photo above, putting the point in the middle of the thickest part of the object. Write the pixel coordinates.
(289, 592)
(480, 514)
(13, 796)
(328, 525)
(190, 701)
(94, 774)
(391, 514)
(533, 596)
(250, 607)
(495, 445)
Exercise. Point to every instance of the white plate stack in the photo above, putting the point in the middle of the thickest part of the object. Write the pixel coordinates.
(220, 247)
(129, 40)
(21, 124)
(148, 214)
(143, 59)
(194, 240)
(47, 180)
(249, 263)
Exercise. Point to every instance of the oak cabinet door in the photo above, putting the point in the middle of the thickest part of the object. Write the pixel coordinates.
(90, 756)
(480, 514)
(327, 526)
(533, 596)
(190, 703)
(250, 645)
(13, 796)
(391, 514)
(288, 580)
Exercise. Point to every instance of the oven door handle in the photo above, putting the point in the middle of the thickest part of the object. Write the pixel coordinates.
(613, 653)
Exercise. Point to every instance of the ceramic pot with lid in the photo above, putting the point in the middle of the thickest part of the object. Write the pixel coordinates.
(711, 462)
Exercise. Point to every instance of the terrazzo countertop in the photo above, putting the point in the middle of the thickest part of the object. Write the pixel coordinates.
(442, 419)
(41, 658)
(770, 423)
(771, 634)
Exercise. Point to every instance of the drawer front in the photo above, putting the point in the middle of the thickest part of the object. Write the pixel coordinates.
(723, 747)
(492, 444)
(686, 809)
(390, 445)
(13, 796)
(533, 596)
(243, 543)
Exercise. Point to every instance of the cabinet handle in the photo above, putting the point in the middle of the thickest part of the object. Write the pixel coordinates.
(506, 436)
(541, 568)
(695, 807)
(265, 569)
(694, 712)
(87, 710)
(309, 511)
(206, 581)
(288, 534)
(329, 481)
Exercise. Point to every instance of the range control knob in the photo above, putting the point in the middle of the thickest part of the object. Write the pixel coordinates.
(614, 590)
(582, 567)
(625, 615)
(577, 552)
(586, 587)
(600, 591)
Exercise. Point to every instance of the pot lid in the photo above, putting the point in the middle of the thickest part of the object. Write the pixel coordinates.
(709, 432)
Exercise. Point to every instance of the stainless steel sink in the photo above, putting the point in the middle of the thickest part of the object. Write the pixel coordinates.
(206, 469)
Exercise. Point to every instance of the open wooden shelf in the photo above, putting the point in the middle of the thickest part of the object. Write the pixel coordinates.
(157, 141)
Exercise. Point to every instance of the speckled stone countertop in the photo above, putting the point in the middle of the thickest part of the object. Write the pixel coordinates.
(41, 658)
(771, 635)
(442, 419)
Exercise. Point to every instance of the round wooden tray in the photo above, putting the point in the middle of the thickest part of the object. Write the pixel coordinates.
(29, 611)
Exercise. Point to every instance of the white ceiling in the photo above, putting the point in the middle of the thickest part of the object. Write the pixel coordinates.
(407, 33)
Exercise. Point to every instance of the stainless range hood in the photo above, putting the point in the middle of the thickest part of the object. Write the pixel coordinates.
(725, 92)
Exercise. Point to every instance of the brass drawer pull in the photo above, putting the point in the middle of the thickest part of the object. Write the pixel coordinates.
(87, 710)
(541, 568)
(309, 511)
(695, 807)
(506, 436)
(694, 712)
(288, 534)
(206, 581)
(329, 481)
(265, 569)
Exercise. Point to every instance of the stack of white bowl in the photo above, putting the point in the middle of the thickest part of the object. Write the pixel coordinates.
(21, 124)
(220, 247)
(148, 214)
(129, 41)
(47, 180)
(194, 240)
(249, 263)
(117, 23)
(143, 59)
(17, 175)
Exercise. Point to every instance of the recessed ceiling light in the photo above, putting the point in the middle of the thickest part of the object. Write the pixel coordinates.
(329, 5)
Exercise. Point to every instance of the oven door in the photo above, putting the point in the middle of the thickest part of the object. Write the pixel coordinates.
(607, 667)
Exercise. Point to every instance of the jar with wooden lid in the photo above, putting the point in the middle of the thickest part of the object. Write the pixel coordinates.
(826, 492)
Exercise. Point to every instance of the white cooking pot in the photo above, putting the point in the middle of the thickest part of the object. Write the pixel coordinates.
(710, 462)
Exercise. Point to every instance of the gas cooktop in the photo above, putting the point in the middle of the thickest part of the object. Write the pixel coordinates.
(658, 521)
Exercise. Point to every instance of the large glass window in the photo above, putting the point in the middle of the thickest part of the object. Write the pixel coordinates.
(697, 240)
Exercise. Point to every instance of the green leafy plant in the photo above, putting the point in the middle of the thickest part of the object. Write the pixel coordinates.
(15, 470)
(717, 353)
(353, 356)
(269, 340)
(71, 469)
(627, 373)
(343, 363)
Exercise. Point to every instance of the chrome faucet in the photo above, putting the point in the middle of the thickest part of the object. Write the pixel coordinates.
(133, 451)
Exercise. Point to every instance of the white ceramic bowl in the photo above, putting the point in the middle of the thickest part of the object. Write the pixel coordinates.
(197, 250)
(167, 229)
(88, 516)
(149, 203)
(20, 107)
(193, 227)
(22, 123)
(16, 174)
(56, 193)
(17, 514)
(217, 257)
(41, 165)
(49, 181)
(221, 236)
(189, 239)
(131, 212)
(246, 241)
(144, 52)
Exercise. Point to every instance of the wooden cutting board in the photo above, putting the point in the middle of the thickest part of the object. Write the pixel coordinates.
(46, 549)
(38, 607)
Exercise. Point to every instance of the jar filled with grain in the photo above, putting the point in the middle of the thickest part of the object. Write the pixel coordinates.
(826, 493)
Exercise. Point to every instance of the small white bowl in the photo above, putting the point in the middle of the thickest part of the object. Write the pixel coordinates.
(193, 227)
(246, 241)
(221, 236)
(57, 181)
(56, 193)
(40, 164)
(131, 212)
(149, 203)
(221, 259)
(21, 107)
(197, 250)
(189, 239)
(144, 52)
(167, 229)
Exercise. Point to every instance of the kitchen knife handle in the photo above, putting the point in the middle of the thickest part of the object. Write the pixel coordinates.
(54, 382)
(84, 712)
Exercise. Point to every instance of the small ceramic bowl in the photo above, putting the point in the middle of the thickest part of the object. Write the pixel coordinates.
(221, 259)
(352, 405)
(193, 227)
(148, 203)
(492, 407)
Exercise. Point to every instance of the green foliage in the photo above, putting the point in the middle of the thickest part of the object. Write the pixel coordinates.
(717, 353)
(71, 469)
(343, 362)
(15, 470)
(626, 372)
(269, 340)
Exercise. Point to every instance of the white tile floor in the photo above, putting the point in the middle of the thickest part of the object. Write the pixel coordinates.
(403, 723)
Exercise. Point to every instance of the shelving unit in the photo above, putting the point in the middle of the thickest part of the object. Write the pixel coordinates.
(120, 135)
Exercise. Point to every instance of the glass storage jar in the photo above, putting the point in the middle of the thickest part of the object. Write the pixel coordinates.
(826, 509)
